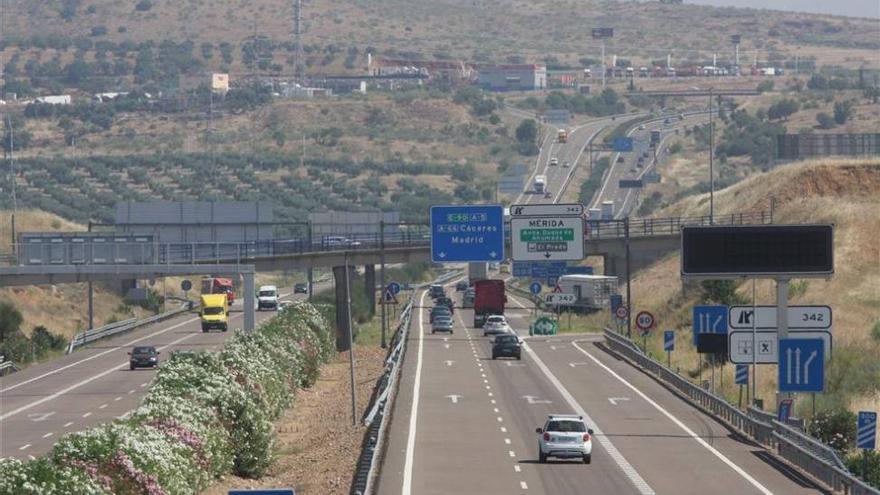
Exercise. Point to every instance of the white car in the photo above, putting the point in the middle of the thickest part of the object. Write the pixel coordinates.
(566, 164)
(554, 161)
(267, 297)
(565, 436)
(495, 324)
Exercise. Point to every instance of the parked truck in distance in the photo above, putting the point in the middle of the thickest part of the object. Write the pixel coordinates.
(217, 285)
(214, 312)
(540, 184)
(489, 299)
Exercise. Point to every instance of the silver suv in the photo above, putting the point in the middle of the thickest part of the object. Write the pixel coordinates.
(565, 436)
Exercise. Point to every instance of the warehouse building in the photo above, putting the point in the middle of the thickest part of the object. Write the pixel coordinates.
(513, 77)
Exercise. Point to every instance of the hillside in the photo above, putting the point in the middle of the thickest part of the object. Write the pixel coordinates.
(843, 192)
(60, 308)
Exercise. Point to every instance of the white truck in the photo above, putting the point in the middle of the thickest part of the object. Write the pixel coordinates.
(592, 292)
(267, 297)
(540, 184)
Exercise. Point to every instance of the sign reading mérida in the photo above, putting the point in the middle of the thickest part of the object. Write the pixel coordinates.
(547, 233)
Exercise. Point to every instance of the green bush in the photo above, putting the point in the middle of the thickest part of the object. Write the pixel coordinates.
(721, 292)
(855, 463)
(835, 427)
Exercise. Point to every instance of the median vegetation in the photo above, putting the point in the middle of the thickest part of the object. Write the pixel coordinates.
(207, 414)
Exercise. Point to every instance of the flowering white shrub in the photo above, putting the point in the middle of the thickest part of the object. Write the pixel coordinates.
(206, 414)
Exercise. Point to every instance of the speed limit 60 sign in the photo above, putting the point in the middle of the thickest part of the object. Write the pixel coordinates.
(644, 320)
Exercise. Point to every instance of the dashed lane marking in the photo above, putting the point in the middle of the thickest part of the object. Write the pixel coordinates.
(47, 435)
(24, 446)
(511, 453)
(523, 485)
(517, 468)
(86, 415)
(68, 424)
(102, 406)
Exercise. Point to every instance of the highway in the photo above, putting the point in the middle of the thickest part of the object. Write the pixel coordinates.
(463, 423)
(94, 385)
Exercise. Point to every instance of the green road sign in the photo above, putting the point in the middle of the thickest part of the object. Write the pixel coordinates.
(544, 326)
(546, 235)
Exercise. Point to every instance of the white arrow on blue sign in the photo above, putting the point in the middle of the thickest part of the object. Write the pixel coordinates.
(801, 365)
(535, 288)
(668, 340)
(742, 374)
(394, 288)
(866, 431)
(709, 319)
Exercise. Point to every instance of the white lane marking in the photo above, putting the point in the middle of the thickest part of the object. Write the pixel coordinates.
(483, 375)
(507, 441)
(490, 394)
(37, 417)
(492, 401)
(624, 465)
(130, 392)
(86, 415)
(454, 398)
(516, 468)
(24, 446)
(488, 387)
(511, 453)
(615, 400)
(503, 430)
(67, 424)
(485, 381)
(523, 485)
(414, 410)
(500, 419)
(47, 435)
(678, 423)
(495, 410)
(144, 384)
(89, 380)
(117, 399)
(128, 344)
(102, 406)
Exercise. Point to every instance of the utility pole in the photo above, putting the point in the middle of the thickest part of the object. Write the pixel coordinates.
(628, 278)
(711, 162)
(350, 341)
(382, 277)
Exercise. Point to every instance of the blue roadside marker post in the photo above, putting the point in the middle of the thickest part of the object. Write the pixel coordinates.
(669, 346)
(866, 437)
(742, 379)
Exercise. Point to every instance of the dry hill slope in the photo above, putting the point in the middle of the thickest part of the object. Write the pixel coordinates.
(843, 192)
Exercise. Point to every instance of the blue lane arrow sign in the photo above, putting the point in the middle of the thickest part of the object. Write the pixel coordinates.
(535, 288)
(866, 431)
(709, 319)
(742, 374)
(394, 288)
(801, 365)
(472, 233)
(668, 340)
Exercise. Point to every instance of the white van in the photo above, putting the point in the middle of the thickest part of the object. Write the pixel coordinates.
(267, 297)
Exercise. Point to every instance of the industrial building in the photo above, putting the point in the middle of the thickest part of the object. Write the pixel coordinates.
(513, 77)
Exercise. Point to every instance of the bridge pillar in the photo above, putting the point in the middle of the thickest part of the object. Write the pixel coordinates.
(249, 302)
(370, 287)
(343, 320)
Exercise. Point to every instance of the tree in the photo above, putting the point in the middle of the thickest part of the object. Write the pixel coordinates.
(782, 109)
(77, 72)
(144, 5)
(765, 86)
(842, 111)
(825, 121)
(527, 131)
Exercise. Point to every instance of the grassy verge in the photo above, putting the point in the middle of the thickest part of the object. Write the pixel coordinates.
(594, 182)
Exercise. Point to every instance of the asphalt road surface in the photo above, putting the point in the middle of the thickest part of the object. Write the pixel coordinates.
(94, 385)
(463, 423)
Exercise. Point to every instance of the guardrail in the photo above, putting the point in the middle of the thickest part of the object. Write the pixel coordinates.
(118, 327)
(377, 419)
(646, 227)
(7, 367)
(806, 453)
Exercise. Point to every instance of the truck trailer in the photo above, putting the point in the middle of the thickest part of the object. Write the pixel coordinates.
(489, 299)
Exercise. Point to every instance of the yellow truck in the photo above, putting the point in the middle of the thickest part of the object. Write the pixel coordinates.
(214, 312)
(562, 136)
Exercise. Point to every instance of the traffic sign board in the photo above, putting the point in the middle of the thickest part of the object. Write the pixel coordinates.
(621, 312)
(739, 344)
(630, 183)
(616, 301)
(394, 287)
(866, 430)
(547, 238)
(742, 374)
(644, 320)
(709, 319)
(801, 365)
(473, 233)
(389, 297)
(669, 340)
(547, 210)
(560, 298)
(186, 285)
(784, 411)
(535, 288)
(817, 317)
(622, 144)
(544, 326)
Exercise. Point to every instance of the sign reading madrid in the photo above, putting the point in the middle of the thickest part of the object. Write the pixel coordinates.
(467, 233)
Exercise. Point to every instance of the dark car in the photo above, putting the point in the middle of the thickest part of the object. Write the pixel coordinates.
(507, 346)
(301, 288)
(438, 311)
(143, 357)
(447, 302)
(436, 291)
(461, 286)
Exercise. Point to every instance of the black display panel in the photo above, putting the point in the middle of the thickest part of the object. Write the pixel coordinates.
(768, 250)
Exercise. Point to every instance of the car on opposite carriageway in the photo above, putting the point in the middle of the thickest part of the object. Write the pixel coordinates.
(143, 356)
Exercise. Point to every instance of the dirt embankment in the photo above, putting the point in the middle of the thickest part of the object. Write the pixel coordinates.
(317, 446)
(845, 193)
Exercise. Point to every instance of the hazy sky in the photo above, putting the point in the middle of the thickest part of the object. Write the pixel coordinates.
(856, 8)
